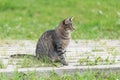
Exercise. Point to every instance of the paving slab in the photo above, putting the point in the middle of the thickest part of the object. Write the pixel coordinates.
(78, 49)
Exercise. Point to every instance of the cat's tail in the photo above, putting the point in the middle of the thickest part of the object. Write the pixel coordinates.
(22, 55)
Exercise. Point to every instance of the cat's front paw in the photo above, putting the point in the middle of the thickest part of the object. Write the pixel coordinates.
(65, 64)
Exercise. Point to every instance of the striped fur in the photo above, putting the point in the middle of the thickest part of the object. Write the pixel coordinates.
(53, 43)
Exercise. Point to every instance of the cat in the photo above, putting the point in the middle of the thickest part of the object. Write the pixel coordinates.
(53, 43)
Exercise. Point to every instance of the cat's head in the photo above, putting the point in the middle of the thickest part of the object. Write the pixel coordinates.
(67, 24)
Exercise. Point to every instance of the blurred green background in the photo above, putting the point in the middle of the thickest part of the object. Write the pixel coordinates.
(28, 19)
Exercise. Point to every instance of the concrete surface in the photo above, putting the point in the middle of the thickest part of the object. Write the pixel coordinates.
(76, 50)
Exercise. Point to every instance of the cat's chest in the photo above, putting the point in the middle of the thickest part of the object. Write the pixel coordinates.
(65, 43)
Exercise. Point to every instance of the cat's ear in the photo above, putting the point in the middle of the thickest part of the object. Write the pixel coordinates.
(68, 20)
(71, 18)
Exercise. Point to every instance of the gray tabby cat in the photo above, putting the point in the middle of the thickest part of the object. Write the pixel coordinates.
(53, 43)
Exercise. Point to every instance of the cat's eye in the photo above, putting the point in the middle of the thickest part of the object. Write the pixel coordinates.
(68, 25)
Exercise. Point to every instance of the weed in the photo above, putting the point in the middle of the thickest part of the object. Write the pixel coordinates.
(97, 50)
(87, 75)
(2, 65)
(96, 61)
(31, 61)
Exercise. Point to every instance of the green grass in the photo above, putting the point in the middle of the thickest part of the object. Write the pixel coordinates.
(2, 65)
(30, 61)
(28, 19)
(96, 61)
(88, 75)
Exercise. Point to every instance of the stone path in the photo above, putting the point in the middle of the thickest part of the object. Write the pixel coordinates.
(82, 55)
(104, 49)
(77, 52)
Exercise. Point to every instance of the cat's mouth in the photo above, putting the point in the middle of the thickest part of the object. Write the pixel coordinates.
(72, 28)
(69, 30)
